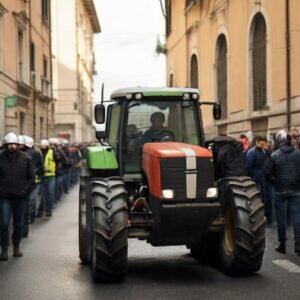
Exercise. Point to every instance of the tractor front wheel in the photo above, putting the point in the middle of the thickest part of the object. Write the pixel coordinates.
(84, 221)
(242, 243)
(110, 233)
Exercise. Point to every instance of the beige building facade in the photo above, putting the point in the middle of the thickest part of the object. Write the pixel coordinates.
(74, 22)
(243, 53)
(25, 68)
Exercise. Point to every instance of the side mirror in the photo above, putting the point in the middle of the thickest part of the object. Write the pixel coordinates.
(217, 111)
(99, 114)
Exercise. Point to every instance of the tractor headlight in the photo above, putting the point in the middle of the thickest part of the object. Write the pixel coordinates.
(195, 96)
(138, 96)
(212, 193)
(186, 96)
(128, 96)
(168, 194)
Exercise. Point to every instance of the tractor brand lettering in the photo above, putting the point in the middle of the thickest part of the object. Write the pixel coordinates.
(193, 171)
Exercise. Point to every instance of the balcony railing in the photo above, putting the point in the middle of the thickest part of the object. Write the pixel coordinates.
(36, 81)
(46, 87)
(23, 73)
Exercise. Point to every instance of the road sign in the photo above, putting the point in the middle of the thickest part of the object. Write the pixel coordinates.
(10, 101)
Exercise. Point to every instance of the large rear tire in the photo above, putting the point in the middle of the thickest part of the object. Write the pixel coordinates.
(242, 243)
(84, 221)
(110, 233)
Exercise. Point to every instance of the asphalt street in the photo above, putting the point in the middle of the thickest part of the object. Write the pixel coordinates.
(50, 269)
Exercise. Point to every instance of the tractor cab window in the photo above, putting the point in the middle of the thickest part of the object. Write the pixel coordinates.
(157, 121)
(114, 126)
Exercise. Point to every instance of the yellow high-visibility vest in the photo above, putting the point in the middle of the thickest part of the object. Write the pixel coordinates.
(49, 164)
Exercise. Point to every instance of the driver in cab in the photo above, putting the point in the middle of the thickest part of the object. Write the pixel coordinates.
(157, 120)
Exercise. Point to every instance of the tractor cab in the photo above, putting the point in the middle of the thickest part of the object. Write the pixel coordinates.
(137, 116)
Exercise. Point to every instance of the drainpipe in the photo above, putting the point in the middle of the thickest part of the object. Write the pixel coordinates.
(288, 64)
(51, 78)
(187, 51)
(31, 81)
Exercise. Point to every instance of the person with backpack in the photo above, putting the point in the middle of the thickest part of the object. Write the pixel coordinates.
(228, 156)
(285, 170)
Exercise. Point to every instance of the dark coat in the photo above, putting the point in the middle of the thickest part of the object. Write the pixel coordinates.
(257, 161)
(228, 156)
(16, 175)
(37, 161)
(285, 169)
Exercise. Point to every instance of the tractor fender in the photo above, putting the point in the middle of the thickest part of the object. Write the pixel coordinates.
(101, 157)
(84, 171)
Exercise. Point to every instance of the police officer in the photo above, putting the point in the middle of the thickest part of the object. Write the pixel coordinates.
(16, 182)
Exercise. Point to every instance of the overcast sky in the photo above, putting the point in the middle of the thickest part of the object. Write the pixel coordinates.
(125, 49)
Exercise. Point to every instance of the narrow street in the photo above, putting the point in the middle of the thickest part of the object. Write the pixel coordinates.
(50, 269)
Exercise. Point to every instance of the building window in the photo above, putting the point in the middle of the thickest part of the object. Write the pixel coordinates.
(194, 72)
(41, 127)
(1, 41)
(20, 55)
(45, 11)
(189, 2)
(169, 16)
(45, 66)
(259, 62)
(221, 69)
(171, 80)
(22, 122)
(32, 56)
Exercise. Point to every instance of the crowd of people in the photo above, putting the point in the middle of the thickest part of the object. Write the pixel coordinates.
(33, 178)
(274, 165)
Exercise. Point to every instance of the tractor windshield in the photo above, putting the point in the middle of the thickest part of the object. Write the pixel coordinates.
(158, 121)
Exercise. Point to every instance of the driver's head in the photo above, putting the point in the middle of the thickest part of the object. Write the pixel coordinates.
(157, 120)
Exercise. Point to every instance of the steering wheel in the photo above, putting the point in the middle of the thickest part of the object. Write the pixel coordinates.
(164, 135)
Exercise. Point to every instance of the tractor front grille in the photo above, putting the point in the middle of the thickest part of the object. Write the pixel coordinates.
(177, 177)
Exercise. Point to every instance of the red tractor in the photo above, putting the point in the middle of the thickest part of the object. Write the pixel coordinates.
(153, 178)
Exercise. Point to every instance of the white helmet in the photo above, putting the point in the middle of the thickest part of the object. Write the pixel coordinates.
(44, 142)
(21, 139)
(54, 141)
(29, 142)
(64, 141)
(10, 138)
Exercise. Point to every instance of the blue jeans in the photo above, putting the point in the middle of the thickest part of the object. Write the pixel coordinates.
(48, 194)
(282, 201)
(66, 184)
(59, 186)
(33, 200)
(17, 209)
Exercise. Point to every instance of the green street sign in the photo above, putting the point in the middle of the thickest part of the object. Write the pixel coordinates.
(10, 101)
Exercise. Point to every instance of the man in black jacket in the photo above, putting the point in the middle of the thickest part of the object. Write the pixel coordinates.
(38, 167)
(16, 182)
(285, 170)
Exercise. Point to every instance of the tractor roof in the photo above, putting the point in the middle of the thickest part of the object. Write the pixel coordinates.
(153, 91)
